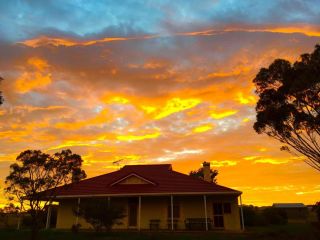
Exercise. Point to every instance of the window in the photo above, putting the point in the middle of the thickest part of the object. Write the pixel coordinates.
(218, 220)
(227, 208)
(217, 209)
(221, 208)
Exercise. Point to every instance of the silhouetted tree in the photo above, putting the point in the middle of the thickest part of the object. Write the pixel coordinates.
(316, 208)
(6, 212)
(289, 105)
(275, 216)
(33, 180)
(199, 174)
(1, 98)
(100, 214)
(253, 217)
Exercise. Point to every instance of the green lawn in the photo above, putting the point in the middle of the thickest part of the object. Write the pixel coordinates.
(290, 232)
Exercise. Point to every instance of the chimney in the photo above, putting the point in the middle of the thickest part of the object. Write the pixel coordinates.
(206, 171)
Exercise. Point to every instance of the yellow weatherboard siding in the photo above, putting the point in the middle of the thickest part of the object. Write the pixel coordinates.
(133, 180)
(156, 207)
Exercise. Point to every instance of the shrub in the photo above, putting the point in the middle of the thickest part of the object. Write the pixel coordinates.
(100, 214)
(75, 228)
(317, 210)
(275, 216)
(253, 217)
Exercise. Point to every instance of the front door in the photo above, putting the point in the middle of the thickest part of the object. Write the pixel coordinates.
(132, 212)
(218, 220)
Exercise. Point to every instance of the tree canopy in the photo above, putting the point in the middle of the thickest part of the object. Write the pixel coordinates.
(34, 177)
(100, 214)
(288, 108)
(199, 174)
(1, 98)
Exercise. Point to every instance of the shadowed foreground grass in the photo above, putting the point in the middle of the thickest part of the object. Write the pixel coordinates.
(290, 232)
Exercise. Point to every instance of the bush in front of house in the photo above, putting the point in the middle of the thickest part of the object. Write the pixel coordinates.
(75, 228)
(9, 216)
(255, 216)
(275, 216)
(100, 214)
(26, 219)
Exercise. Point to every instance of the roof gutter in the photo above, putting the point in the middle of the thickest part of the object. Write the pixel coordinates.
(236, 193)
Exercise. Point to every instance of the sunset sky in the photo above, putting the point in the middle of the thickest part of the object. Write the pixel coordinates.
(153, 82)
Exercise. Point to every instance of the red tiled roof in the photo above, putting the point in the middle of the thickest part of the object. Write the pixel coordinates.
(166, 181)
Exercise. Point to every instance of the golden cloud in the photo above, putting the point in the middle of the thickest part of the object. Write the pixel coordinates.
(272, 161)
(202, 128)
(307, 29)
(36, 78)
(251, 100)
(175, 105)
(69, 144)
(44, 40)
(138, 137)
(101, 118)
(236, 72)
(222, 113)
(148, 109)
(224, 163)
(268, 160)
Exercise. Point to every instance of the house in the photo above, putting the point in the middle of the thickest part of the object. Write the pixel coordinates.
(154, 197)
(295, 212)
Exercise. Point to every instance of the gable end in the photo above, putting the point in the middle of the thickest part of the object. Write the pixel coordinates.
(132, 179)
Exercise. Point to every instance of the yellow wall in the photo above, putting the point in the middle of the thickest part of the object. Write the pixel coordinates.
(65, 217)
(122, 203)
(156, 208)
(133, 180)
(231, 221)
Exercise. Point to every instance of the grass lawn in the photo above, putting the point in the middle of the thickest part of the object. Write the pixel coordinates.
(290, 232)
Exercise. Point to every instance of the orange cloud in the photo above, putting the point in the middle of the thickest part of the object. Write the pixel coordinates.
(272, 161)
(102, 117)
(36, 78)
(44, 40)
(118, 99)
(224, 163)
(236, 72)
(246, 100)
(129, 138)
(69, 144)
(268, 160)
(148, 109)
(307, 29)
(222, 113)
(175, 105)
